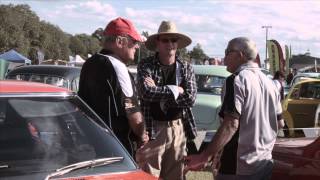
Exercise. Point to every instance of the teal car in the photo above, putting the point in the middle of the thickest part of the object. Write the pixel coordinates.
(210, 80)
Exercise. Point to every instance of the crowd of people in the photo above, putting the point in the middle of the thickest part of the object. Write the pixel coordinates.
(153, 119)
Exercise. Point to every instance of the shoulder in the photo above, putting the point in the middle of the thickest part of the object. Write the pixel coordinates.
(148, 61)
(97, 59)
(185, 64)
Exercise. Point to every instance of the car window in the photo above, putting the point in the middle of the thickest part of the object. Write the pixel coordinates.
(210, 84)
(45, 133)
(56, 81)
(300, 78)
(310, 90)
(295, 93)
(75, 84)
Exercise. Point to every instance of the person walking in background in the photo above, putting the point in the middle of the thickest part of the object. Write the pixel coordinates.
(167, 89)
(251, 113)
(279, 80)
(292, 73)
(107, 87)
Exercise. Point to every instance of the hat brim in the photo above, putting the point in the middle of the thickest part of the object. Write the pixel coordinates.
(183, 40)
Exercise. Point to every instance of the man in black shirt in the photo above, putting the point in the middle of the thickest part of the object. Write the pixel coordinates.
(107, 87)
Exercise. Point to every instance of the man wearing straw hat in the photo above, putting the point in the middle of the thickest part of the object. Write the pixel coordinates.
(167, 89)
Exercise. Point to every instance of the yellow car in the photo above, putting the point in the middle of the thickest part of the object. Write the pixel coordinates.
(301, 106)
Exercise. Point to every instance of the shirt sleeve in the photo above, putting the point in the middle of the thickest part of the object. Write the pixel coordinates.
(232, 100)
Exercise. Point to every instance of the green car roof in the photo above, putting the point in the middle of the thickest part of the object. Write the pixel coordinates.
(211, 70)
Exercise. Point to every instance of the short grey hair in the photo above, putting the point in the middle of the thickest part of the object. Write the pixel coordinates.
(245, 45)
(108, 39)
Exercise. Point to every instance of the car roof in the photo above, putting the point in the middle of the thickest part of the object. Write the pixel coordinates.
(314, 75)
(211, 70)
(52, 70)
(12, 86)
(307, 81)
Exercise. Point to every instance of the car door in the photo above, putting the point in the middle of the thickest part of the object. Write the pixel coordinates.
(303, 103)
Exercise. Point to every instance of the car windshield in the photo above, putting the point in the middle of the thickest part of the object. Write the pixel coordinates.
(210, 84)
(41, 134)
(56, 81)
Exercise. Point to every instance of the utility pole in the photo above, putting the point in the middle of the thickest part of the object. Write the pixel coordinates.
(267, 27)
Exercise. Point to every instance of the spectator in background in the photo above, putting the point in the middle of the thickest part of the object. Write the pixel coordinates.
(278, 80)
(292, 73)
(108, 88)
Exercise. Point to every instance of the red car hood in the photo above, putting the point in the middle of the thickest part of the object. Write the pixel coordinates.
(133, 175)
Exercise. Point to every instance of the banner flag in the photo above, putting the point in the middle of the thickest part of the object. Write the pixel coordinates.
(276, 59)
(287, 59)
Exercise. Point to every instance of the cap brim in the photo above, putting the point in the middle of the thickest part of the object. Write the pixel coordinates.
(183, 40)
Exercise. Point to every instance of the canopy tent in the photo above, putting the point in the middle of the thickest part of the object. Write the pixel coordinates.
(76, 61)
(15, 57)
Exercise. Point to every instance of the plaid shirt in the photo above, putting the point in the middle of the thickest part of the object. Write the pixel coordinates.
(150, 67)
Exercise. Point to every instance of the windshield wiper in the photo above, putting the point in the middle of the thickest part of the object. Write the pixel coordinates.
(84, 164)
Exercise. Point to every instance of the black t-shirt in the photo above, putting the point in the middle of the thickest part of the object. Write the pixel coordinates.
(169, 78)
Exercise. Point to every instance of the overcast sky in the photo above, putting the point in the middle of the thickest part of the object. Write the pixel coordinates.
(211, 23)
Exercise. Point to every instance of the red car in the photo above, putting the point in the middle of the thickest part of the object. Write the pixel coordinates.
(298, 158)
(47, 132)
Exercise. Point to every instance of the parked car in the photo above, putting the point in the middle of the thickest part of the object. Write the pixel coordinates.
(304, 76)
(210, 80)
(297, 158)
(62, 76)
(300, 77)
(301, 106)
(48, 132)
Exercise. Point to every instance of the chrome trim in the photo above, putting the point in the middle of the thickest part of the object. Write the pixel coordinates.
(22, 94)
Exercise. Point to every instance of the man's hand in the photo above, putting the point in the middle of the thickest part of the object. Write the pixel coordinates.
(195, 162)
(149, 81)
(180, 89)
(143, 140)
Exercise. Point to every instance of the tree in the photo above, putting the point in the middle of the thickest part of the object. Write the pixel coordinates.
(76, 46)
(183, 54)
(98, 34)
(90, 43)
(143, 52)
(198, 54)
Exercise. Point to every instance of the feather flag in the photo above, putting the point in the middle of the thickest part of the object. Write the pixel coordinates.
(276, 59)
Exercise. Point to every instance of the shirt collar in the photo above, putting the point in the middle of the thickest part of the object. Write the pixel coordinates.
(157, 61)
(249, 65)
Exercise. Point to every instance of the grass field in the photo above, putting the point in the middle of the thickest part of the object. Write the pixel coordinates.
(199, 175)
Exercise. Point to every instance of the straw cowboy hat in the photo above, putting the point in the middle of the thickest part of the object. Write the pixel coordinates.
(167, 28)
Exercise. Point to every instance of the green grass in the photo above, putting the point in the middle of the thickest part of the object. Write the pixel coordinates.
(199, 175)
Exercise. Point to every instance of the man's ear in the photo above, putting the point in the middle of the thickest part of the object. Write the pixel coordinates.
(242, 56)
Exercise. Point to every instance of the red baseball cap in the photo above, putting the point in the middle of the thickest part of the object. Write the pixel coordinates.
(121, 26)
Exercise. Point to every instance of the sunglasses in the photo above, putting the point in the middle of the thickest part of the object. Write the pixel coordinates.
(134, 42)
(167, 40)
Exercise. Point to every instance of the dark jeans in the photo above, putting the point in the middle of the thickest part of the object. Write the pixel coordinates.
(264, 174)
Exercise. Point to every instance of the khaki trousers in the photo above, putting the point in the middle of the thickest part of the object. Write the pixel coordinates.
(163, 157)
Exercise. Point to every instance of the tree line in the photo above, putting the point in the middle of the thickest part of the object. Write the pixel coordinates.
(21, 29)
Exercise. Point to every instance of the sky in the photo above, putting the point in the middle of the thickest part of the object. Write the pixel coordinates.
(211, 23)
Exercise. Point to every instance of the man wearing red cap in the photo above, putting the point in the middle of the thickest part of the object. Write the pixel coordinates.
(108, 88)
